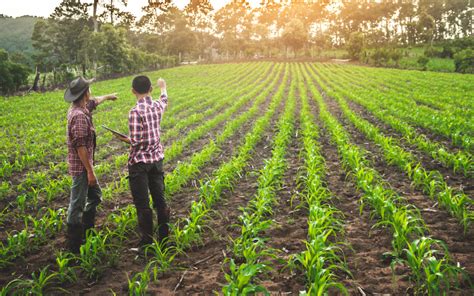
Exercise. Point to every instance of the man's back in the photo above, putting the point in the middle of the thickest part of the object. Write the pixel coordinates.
(144, 126)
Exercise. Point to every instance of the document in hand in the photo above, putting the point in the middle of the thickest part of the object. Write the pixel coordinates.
(115, 132)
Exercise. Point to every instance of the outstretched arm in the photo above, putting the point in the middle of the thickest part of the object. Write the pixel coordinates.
(101, 99)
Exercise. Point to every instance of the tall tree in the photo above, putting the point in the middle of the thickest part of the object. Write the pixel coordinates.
(232, 21)
(198, 12)
(114, 13)
(157, 18)
(295, 35)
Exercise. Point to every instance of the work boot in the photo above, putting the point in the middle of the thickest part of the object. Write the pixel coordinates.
(163, 220)
(88, 221)
(74, 237)
(145, 223)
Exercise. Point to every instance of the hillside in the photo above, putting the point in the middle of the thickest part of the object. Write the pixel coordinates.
(15, 33)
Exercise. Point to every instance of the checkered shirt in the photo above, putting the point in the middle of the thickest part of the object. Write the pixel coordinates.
(144, 125)
(80, 133)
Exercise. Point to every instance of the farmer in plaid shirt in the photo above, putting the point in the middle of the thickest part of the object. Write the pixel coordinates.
(145, 163)
(81, 142)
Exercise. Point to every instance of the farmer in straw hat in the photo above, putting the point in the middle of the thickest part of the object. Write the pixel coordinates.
(81, 142)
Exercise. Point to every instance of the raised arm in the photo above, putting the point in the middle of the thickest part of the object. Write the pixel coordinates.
(164, 94)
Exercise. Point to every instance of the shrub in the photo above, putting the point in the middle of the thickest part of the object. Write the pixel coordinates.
(447, 52)
(380, 56)
(356, 45)
(432, 52)
(12, 75)
(464, 61)
(423, 61)
(396, 56)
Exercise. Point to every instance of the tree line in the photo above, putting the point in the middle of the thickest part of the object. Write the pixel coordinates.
(101, 38)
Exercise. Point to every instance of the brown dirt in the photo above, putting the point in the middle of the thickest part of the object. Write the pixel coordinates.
(456, 180)
(365, 245)
(290, 226)
(432, 135)
(186, 196)
(200, 278)
(439, 223)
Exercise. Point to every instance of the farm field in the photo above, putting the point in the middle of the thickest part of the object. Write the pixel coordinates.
(281, 177)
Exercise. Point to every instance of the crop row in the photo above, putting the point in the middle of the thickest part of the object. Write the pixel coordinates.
(102, 247)
(457, 128)
(431, 182)
(428, 259)
(459, 161)
(323, 258)
(187, 231)
(29, 146)
(249, 249)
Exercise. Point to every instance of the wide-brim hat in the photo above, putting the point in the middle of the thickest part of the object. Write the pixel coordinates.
(76, 88)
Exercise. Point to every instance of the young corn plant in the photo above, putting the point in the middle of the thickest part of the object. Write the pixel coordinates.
(240, 279)
(138, 284)
(254, 217)
(386, 205)
(430, 182)
(210, 190)
(97, 253)
(322, 259)
(162, 256)
(66, 272)
(40, 283)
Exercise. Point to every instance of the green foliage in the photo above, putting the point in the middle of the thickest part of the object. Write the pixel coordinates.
(426, 27)
(12, 75)
(294, 34)
(423, 61)
(112, 48)
(15, 35)
(356, 45)
(464, 61)
(405, 224)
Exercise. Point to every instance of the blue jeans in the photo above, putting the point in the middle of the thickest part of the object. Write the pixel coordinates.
(83, 199)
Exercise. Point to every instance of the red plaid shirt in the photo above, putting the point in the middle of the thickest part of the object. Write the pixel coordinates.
(144, 125)
(80, 132)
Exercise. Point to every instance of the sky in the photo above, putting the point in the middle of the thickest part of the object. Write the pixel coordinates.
(45, 7)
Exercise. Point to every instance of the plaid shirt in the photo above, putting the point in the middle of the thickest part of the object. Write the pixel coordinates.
(144, 125)
(80, 132)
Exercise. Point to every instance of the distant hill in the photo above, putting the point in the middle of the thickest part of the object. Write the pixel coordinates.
(15, 33)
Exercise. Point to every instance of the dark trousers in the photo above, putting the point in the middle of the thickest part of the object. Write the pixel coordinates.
(145, 178)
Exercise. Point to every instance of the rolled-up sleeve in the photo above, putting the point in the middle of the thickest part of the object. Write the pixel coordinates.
(79, 130)
(135, 128)
(163, 101)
